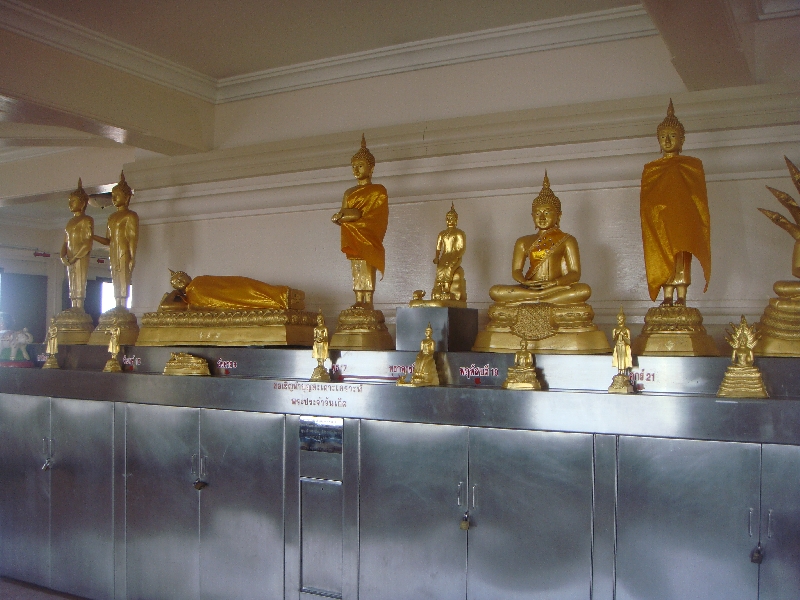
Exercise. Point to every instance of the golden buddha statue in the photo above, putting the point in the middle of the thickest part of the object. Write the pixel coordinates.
(780, 323)
(219, 310)
(319, 351)
(425, 373)
(621, 357)
(550, 288)
(112, 364)
(74, 325)
(363, 220)
(450, 286)
(182, 364)
(51, 346)
(675, 227)
(522, 376)
(742, 379)
(122, 237)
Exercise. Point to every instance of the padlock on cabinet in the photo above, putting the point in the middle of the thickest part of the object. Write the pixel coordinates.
(199, 484)
(757, 555)
(464, 524)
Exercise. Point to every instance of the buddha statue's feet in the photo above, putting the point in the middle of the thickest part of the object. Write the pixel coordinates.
(550, 329)
(674, 331)
(577, 293)
(780, 324)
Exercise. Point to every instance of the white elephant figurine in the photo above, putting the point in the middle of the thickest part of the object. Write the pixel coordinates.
(16, 341)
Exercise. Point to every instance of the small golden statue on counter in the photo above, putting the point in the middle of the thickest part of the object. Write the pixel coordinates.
(112, 364)
(218, 310)
(122, 237)
(621, 357)
(675, 227)
(363, 220)
(425, 373)
(742, 379)
(522, 376)
(182, 363)
(319, 350)
(75, 326)
(551, 287)
(51, 346)
(780, 323)
(450, 286)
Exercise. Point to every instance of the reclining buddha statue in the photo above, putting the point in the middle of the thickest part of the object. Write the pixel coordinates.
(214, 310)
(548, 296)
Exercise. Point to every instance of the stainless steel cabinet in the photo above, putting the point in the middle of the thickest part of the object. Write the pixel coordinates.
(413, 495)
(530, 507)
(82, 515)
(780, 523)
(204, 504)
(687, 519)
(25, 488)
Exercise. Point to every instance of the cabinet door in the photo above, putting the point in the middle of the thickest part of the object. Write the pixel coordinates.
(241, 509)
(162, 508)
(24, 488)
(687, 519)
(82, 532)
(413, 494)
(780, 523)
(531, 515)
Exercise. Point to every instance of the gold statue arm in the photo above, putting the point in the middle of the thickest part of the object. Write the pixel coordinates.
(103, 240)
(132, 237)
(64, 254)
(572, 258)
(519, 258)
(346, 214)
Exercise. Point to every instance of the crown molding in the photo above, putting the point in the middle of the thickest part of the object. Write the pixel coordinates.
(549, 34)
(40, 26)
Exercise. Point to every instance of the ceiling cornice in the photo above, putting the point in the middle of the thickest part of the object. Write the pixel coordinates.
(549, 34)
(589, 28)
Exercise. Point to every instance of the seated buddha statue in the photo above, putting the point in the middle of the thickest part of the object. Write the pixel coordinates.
(550, 289)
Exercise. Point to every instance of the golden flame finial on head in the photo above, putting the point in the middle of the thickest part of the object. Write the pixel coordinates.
(546, 196)
(123, 186)
(671, 122)
(363, 153)
(80, 192)
(794, 172)
(452, 212)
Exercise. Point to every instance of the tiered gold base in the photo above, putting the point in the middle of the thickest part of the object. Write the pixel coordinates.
(674, 331)
(621, 384)
(521, 379)
(257, 327)
(742, 382)
(112, 366)
(780, 328)
(361, 329)
(74, 326)
(320, 373)
(565, 329)
(116, 317)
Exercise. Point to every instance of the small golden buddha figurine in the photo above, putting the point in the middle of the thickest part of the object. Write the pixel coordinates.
(112, 364)
(319, 350)
(551, 284)
(522, 376)
(450, 286)
(621, 357)
(51, 346)
(780, 323)
(742, 379)
(122, 237)
(425, 373)
(221, 310)
(74, 324)
(675, 227)
(182, 363)
(363, 220)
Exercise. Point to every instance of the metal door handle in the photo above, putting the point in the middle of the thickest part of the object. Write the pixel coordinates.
(750, 523)
(458, 498)
(203, 460)
(194, 464)
(769, 523)
(474, 487)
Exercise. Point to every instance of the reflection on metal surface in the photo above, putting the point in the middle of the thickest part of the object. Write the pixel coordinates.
(321, 434)
(321, 537)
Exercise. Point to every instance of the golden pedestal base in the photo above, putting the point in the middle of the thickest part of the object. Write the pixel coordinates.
(621, 384)
(112, 366)
(742, 382)
(566, 329)
(74, 326)
(51, 362)
(257, 327)
(321, 374)
(780, 328)
(439, 303)
(361, 329)
(109, 320)
(674, 331)
(521, 379)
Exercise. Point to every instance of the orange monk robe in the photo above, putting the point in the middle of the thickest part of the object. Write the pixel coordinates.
(363, 238)
(233, 292)
(674, 213)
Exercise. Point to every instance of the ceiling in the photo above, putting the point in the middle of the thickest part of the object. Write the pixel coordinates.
(253, 35)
